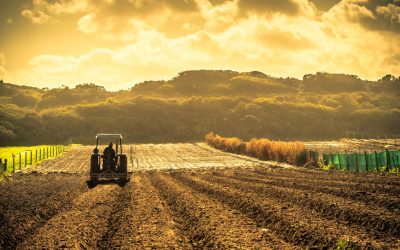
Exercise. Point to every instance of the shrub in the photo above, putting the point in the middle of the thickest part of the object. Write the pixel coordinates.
(264, 149)
(232, 145)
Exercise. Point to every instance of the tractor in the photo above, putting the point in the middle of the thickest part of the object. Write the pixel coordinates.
(104, 167)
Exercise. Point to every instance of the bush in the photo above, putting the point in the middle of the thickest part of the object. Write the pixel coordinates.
(232, 145)
(264, 149)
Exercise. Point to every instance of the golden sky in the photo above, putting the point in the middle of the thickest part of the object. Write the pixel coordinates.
(117, 43)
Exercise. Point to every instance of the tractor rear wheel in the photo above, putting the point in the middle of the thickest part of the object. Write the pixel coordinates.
(123, 168)
(94, 167)
(123, 164)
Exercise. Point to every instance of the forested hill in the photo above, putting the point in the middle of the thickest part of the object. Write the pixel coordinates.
(185, 108)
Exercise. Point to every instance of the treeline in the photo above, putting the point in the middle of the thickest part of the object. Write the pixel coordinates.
(185, 108)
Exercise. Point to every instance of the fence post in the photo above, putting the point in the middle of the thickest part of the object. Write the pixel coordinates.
(31, 155)
(47, 152)
(5, 165)
(13, 163)
(388, 165)
(377, 161)
(1, 167)
(20, 161)
(26, 158)
(357, 167)
(35, 155)
(366, 160)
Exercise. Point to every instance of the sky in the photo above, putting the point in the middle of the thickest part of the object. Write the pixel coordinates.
(118, 43)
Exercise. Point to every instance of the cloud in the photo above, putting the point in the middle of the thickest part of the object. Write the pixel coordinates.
(380, 15)
(2, 66)
(284, 6)
(44, 11)
(351, 10)
(278, 45)
(37, 17)
(113, 19)
(219, 15)
(162, 38)
(391, 12)
(123, 20)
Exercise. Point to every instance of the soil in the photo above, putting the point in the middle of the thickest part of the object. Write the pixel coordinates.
(190, 196)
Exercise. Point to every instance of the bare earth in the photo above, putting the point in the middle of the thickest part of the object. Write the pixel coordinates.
(191, 196)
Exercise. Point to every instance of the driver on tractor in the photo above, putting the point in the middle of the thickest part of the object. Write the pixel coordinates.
(109, 158)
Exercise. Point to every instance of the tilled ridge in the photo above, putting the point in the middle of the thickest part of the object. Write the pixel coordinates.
(75, 160)
(149, 221)
(184, 156)
(82, 226)
(290, 227)
(357, 217)
(391, 204)
(211, 224)
(335, 176)
(326, 179)
(119, 231)
(29, 201)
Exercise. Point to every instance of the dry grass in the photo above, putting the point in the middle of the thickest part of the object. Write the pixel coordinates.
(232, 144)
(265, 149)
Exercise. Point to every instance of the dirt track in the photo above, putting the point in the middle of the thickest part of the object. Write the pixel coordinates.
(184, 196)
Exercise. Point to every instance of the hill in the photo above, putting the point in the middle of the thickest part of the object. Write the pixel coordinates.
(185, 108)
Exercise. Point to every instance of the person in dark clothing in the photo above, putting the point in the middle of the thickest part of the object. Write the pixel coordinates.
(109, 158)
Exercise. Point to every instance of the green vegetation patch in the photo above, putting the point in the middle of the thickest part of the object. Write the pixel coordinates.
(19, 157)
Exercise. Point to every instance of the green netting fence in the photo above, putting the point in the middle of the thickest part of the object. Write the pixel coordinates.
(364, 162)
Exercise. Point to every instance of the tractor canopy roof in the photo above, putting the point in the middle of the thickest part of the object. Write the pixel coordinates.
(109, 136)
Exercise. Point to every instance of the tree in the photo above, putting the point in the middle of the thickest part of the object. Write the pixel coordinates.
(387, 78)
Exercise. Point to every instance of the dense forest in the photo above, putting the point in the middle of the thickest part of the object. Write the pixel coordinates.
(185, 108)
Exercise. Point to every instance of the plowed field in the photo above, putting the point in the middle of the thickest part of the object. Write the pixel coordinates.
(191, 196)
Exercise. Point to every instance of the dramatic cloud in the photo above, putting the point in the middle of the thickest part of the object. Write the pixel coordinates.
(157, 39)
(372, 14)
(44, 11)
(391, 13)
(125, 19)
(284, 6)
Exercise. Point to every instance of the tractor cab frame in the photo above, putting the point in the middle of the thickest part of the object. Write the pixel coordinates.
(101, 169)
